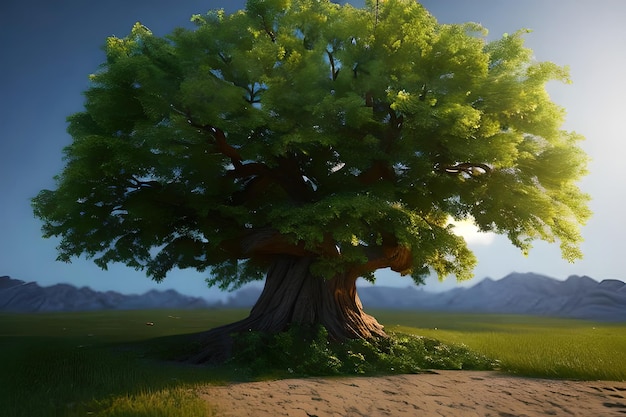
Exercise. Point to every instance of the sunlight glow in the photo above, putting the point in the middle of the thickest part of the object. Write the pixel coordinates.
(470, 232)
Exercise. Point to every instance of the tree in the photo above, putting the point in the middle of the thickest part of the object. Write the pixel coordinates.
(314, 143)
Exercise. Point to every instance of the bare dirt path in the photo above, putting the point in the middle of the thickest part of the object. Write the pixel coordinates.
(444, 393)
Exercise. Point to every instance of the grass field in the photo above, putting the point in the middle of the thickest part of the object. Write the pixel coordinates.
(103, 363)
(80, 364)
(529, 346)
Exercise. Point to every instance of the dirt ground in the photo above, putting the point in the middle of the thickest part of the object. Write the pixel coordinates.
(444, 393)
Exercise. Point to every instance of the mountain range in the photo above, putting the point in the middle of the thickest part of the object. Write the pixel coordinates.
(29, 297)
(577, 297)
(527, 293)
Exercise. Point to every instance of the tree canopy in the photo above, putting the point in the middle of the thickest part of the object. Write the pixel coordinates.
(305, 128)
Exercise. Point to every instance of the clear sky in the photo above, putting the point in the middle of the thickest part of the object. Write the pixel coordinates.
(49, 48)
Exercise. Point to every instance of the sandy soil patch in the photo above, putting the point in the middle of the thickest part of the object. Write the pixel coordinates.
(444, 393)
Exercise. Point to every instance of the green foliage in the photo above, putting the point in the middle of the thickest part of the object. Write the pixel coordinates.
(333, 126)
(306, 350)
(302, 350)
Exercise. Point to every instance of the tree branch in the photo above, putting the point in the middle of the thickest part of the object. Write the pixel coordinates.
(388, 255)
(218, 135)
(471, 169)
(267, 29)
(334, 72)
(268, 241)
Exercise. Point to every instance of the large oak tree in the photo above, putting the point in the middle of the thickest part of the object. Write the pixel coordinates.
(314, 144)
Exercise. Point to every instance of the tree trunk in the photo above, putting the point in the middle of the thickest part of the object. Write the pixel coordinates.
(293, 295)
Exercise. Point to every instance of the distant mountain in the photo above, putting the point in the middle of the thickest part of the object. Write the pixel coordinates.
(20, 296)
(576, 297)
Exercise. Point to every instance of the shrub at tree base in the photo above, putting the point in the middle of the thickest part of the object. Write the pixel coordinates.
(313, 144)
(305, 350)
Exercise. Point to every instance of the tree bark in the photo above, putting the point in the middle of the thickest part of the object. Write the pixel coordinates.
(292, 295)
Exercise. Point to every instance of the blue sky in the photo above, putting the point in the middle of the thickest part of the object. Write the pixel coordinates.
(50, 48)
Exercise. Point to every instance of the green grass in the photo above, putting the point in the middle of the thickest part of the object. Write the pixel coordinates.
(528, 346)
(101, 363)
(105, 363)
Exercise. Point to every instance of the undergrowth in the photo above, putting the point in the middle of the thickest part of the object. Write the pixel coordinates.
(306, 351)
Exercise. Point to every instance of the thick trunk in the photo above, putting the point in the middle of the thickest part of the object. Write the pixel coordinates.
(293, 295)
